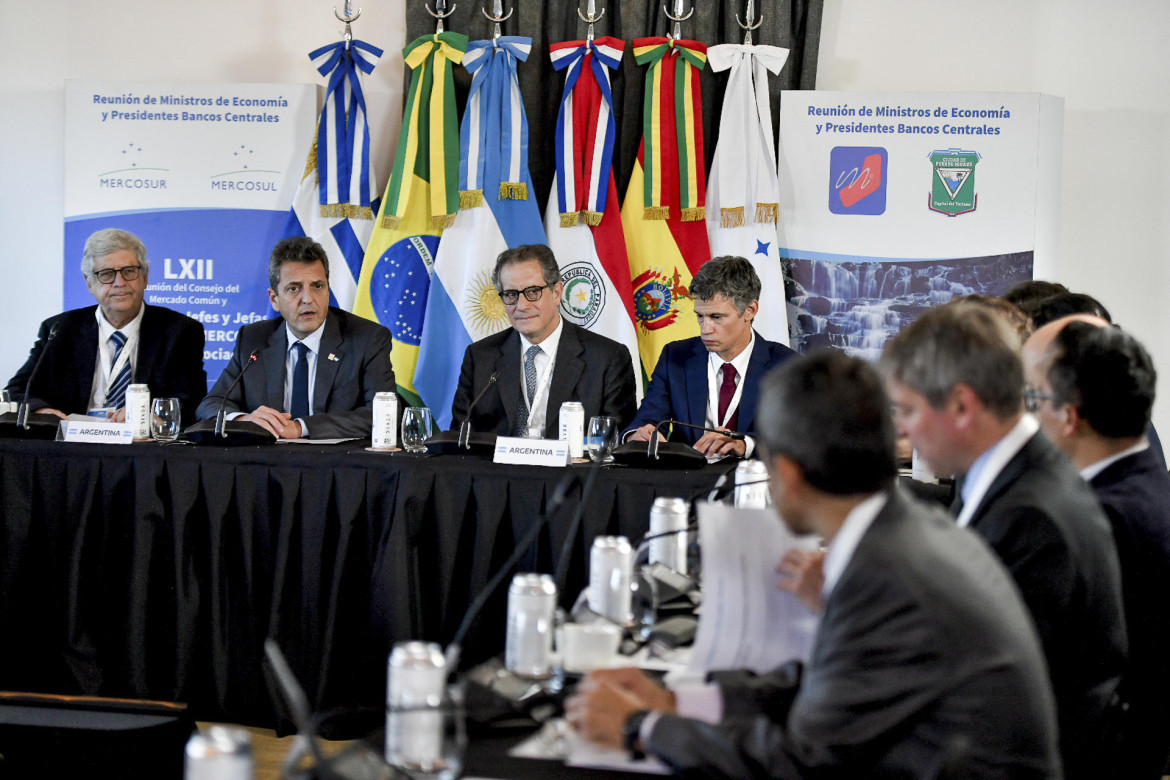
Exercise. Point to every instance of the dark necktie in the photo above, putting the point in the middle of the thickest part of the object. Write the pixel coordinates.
(116, 393)
(521, 427)
(726, 393)
(300, 388)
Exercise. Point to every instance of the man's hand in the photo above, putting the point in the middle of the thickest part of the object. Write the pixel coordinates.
(604, 700)
(50, 410)
(279, 424)
(803, 575)
(118, 416)
(641, 434)
(714, 445)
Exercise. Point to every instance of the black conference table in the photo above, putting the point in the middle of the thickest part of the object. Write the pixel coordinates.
(157, 571)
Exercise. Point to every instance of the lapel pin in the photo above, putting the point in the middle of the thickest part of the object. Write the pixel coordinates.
(333, 357)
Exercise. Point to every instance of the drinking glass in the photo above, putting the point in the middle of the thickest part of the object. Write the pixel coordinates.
(601, 438)
(416, 427)
(164, 419)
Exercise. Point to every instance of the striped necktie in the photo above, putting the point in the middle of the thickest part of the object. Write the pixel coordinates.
(116, 392)
(522, 413)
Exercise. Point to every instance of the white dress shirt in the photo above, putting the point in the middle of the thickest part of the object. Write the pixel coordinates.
(313, 342)
(545, 361)
(715, 379)
(104, 365)
(988, 465)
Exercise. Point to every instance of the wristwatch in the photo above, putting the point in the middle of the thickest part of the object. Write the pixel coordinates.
(631, 735)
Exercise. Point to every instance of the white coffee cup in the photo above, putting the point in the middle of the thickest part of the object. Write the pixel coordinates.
(588, 646)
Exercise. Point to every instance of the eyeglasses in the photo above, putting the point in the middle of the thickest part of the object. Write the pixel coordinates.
(509, 297)
(129, 273)
(1033, 397)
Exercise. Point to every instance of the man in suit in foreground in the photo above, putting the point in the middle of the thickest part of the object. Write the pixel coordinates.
(541, 361)
(98, 351)
(957, 383)
(924, 662)
(320, 367)
(1091, 387)
(713, 379)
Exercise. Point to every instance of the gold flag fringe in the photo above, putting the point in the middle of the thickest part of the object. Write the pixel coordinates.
(311, 163)
(346, 211)
(470, 199)
(570, 218)
(656, 212)
(442, 221)
(732, 217)
(513, 190)
(768, 212)
(694, 214)
(391, 222)
(592, 218)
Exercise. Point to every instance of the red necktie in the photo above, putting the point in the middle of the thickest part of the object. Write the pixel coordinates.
(726, 393)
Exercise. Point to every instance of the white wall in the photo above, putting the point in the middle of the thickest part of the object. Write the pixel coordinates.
(1110, 63)
(1106, 59)
(44, 43)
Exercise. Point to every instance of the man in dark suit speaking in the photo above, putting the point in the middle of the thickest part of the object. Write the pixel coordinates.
(541, 361)
(1091, 386)
(99, 351)
(713, 379)
(924, 664)
(957, 383)
(320, 367)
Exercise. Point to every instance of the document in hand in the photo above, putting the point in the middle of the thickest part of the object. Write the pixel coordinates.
(745, 622)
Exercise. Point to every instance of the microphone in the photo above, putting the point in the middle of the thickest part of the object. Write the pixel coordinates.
(465, 426)
(23, 410)
(221, 415)
(233, 432)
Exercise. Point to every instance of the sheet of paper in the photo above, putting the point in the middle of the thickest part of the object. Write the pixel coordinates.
(557, 741)
(746, 622)
(315, 441)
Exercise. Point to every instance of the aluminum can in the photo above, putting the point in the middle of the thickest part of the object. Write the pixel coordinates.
(138, 410)
(384, 434)
(573, 427)
(222, 753)
(532, 604)
(611, 574)
(751, 484)
(669, 515)
(415, 681)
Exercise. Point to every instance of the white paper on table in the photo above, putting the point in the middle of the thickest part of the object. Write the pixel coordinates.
(317, 441)
(746, 622)
(558, 741)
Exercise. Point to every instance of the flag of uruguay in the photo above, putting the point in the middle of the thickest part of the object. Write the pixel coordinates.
(336, 200)
(743, 194)
(463, 306)
(343, 239)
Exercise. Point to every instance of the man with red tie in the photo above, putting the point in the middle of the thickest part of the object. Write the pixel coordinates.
(713, 380)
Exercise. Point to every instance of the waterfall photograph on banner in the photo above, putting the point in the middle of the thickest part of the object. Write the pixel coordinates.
(859, 303)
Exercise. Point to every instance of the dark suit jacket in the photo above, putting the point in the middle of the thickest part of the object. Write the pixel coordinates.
(344, 388)
(924, 640)
(1135, 493)
(169, 360)
(596, 371)
(1047, 527)
(678, 389)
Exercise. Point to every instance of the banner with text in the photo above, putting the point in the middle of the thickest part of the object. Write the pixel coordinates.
(204, 174)
(892, 202)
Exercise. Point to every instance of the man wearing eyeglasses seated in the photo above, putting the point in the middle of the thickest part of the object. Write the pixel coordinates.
(541, 361)
(98, 351)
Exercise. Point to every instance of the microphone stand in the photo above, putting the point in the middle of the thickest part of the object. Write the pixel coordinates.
(23, 410)
(221, 415)
(465, 426)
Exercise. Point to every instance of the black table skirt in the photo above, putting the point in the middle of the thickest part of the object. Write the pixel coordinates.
(152, 571)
